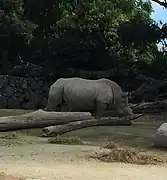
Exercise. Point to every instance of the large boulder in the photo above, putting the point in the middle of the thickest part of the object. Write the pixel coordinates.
(160, 138)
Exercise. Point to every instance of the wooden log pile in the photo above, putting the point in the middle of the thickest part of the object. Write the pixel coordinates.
(149, 91)
(56, 123)
(112, 121)
(59, 122)
(40, 119)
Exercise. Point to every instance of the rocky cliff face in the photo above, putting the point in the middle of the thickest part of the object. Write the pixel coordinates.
(26, 93)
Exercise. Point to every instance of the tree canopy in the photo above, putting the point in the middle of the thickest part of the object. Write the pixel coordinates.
(77, 34)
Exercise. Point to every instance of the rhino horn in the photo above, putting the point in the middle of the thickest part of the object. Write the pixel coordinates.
(127, 94)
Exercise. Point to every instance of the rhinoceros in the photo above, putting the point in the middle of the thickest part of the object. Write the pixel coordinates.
(95, 96)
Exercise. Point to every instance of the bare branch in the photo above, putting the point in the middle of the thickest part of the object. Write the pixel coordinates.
(164, 4)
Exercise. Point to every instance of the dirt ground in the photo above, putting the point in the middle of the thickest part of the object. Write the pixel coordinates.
(24, 155)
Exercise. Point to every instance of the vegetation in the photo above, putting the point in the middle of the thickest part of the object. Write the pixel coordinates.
(88, 35)
(127, 155)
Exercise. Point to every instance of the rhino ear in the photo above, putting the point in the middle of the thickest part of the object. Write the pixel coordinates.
(126, 94)
(129, 94)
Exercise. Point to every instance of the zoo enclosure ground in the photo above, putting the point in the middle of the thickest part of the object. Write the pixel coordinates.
(24, 154)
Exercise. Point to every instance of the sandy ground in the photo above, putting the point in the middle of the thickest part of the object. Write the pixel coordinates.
(33, 158)
(64, 162)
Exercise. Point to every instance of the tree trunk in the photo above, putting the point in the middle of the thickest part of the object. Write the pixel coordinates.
(150, 107)
(40, 119)
(112, 121)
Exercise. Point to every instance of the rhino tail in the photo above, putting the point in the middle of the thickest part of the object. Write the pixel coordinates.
(55, 99)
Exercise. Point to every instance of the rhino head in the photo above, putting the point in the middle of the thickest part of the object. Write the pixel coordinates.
(122, 106)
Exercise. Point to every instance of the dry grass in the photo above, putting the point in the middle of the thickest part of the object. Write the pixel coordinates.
(9, 138)
(127, 155)
(110, 145)
(65, 140)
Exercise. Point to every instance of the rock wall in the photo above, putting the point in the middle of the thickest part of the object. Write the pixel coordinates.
(23, 93)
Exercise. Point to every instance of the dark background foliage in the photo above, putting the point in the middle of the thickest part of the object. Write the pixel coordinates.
(88, 35)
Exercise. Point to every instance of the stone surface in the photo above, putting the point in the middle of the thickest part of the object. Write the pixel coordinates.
(160, 138)
(19, 92)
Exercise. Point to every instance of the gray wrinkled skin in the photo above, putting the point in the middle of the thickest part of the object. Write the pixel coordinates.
(95, 96)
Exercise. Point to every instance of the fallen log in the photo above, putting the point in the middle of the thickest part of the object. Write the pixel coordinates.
(112, 121)
(40, 119)
(150, 90)
(150, 107)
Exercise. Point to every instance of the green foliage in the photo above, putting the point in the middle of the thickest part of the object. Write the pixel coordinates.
(89, 28)
(158, 68)
(15, 31)
(13, 21)
(81, 34)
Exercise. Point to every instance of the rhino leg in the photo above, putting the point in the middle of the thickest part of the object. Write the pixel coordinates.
(92, 113)
(100, 108)
(50, 108)
(51, 105)
(65, 108)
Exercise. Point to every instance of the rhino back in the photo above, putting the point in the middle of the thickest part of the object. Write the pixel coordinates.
(114, 86)
(82, 93)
